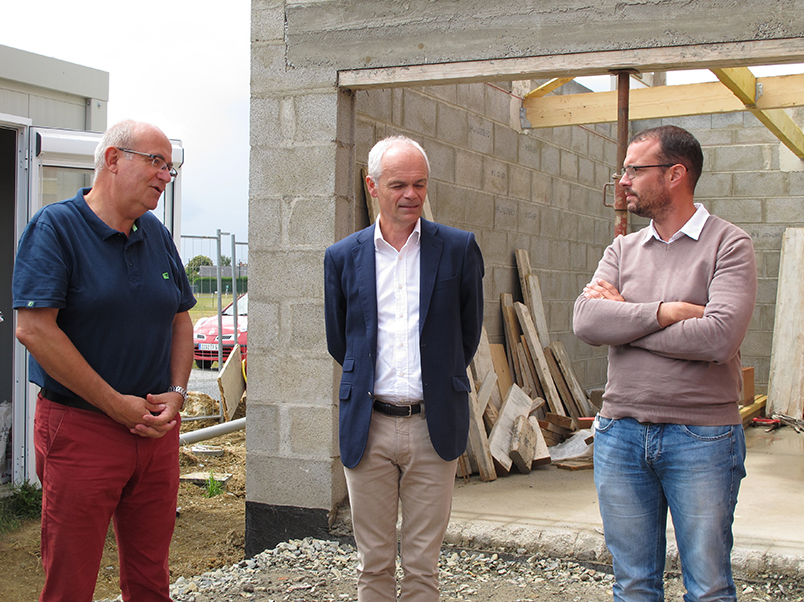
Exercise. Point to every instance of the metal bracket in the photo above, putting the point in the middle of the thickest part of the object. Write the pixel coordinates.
(523, 119)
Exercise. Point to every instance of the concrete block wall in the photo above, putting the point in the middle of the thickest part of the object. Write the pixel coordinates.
(752, 180)
(539, 190)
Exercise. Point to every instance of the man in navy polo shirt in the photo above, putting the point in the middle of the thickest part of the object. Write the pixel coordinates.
(102, 305)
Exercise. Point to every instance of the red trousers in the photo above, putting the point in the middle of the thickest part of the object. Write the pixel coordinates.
(93, 469)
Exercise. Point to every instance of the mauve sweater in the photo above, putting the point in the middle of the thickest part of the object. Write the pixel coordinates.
(689, 372)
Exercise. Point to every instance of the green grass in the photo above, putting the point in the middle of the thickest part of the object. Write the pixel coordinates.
(214, 487)
(24, 503)
(208, 305)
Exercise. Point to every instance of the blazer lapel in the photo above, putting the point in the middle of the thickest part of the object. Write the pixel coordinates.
(431, 247)
(365, 274)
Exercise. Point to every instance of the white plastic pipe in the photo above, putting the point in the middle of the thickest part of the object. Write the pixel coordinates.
(212, 431)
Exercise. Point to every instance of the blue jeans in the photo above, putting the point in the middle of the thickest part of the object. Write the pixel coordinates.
(641, 470)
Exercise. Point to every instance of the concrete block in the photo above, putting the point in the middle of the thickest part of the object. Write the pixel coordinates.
(754, 135)
(267, 21)
(578, 256)
(568, 225)
(766, 290)
(795, 181)
(519, 182)
(265, 223)
(452, 125)
(690, 122)
(297, 165)
(757, 344)
(446, 92)
(306, 326)
(768, 313)
(726, 120)
(289, 274)
(742, 158)
(442, 160)
(562, 194)
(714, 185)
(506, 142)
(766, 237)
(498, 104)
(506, 214)
(471, 96)
(737, 211)
(559, 316)
(306, 377)
(313, 430)
(303, 482)
(540, 252)
(529, 151)
(308, 222)
(468, 168)
(580, 140)
(480, 209)
(505, 280)
(788, 211)
(562, 137)
(397, 107)
(492, 320)
(586, 171)
(495, 248)
(264, 420)
(551, 160)
(480, 137)
(550, 222)
(559, 255)
(270, 76)
(529, 218)
(265, 128)
(377, 104)
(419, 111)
(586, 229)
(709, 138)
(448, 203)
(770, 262)
(759, 184)
(541, 187)
(495, 176)
(264, 325)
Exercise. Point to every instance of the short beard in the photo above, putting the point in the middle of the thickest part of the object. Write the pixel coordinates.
(655, 209)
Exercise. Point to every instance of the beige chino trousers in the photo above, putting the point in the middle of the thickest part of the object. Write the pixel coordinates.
(399, 466)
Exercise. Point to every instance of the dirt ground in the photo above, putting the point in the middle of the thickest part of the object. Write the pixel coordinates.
(209, 532)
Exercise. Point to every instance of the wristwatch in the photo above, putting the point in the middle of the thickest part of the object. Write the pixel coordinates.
(181, 391)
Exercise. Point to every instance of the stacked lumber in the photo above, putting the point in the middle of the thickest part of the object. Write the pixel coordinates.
(525, 395)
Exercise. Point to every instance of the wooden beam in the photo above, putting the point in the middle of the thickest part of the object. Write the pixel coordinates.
(780, 92)
(478, 441)
(547, 87)
(743, 85)
(698, 56)
(539, 361)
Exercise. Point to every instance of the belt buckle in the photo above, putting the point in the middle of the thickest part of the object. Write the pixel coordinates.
(410, 411)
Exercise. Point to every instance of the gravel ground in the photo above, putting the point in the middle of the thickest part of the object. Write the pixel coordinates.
(312, 570)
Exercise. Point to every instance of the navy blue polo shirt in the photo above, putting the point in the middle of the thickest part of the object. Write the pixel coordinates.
(116, 295)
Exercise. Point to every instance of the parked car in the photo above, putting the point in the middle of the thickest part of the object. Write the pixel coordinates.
(205, 334)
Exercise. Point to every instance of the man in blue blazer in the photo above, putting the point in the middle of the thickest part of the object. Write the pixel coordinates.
(404, 309)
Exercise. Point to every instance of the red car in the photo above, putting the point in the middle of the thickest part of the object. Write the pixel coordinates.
(205, 334)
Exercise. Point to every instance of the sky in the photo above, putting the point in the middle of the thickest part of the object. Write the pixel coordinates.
(182, 65)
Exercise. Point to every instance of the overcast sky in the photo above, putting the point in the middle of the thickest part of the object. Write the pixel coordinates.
(180, 64)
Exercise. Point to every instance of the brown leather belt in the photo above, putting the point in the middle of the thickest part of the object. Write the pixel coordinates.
(397, 410)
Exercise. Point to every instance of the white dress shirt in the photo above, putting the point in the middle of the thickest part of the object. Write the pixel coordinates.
(692, 228)
(398, 371)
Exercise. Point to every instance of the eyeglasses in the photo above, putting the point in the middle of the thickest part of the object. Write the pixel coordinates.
(631, 170)
(157, 161)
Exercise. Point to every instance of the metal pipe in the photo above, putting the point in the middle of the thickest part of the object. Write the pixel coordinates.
(620, 205)
(212, 431)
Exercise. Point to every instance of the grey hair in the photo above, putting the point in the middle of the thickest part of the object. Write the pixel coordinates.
(119, 135)
(378, 151)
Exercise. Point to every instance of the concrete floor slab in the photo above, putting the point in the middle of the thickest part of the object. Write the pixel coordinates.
(555, 512)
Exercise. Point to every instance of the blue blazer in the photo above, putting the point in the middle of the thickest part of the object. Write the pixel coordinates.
(450, 319)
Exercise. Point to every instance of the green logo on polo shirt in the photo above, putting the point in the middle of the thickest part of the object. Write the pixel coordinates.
(31, 303)
(165, 275)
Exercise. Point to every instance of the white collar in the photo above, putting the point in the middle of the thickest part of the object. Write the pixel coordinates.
(692, 228)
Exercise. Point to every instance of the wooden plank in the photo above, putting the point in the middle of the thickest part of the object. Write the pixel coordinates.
(578, 392)
(524, 369)
(500, 361)
(510, 328)
(564, 421)
(548, 386)
(786, 380)
(532, 295)
(561, 385)
(554, 428)
(483, 364)
(231, 383)
(516, 403)
(541, 455)
(478, 441)
(523, 444)
(748, 413)
(747, 394)
(536, 389)
(575, 464)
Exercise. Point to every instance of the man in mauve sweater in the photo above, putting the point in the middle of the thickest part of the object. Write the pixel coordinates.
(673, 302)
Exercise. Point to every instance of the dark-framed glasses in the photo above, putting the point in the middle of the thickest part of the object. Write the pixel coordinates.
(631, 170)
(157, 161)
